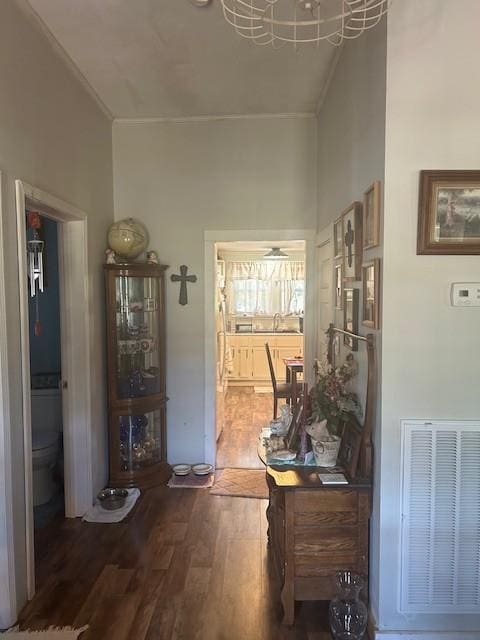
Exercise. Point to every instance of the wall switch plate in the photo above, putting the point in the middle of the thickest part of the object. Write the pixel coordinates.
(465, 294)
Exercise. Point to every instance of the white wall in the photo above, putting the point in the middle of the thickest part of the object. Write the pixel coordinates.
(431, 364)
(53, 136)
(182, 179)
(351, 152)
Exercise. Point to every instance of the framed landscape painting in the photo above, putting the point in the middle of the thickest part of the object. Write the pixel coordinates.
(371, 216)
(449, 212)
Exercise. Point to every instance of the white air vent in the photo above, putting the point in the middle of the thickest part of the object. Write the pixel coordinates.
(440, 550)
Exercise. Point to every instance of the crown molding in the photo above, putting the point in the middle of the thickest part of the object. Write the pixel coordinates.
(62, 53)
(215, 118)
(331, 73)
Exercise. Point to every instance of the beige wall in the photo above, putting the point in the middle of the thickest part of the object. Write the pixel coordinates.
(351, 152)
(182, 179)
(431, 364)
(53, 136)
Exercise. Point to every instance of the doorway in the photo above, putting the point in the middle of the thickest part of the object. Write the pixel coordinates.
(74, 383)
(45, 370)
(243, 404)
(261, 292)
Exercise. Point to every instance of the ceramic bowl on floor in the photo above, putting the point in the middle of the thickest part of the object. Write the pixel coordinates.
(202, 469)
(181, 469)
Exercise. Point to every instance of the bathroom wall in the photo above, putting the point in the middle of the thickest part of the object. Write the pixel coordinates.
(45, 354)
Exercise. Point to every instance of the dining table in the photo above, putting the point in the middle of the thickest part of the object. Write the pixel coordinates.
(293, 367)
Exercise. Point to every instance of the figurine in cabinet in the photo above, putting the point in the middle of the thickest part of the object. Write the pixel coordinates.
(136, 374)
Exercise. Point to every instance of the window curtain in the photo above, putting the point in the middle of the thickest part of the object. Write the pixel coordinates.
(265, 287)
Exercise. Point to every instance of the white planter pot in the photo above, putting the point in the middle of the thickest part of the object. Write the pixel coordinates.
(326, 451)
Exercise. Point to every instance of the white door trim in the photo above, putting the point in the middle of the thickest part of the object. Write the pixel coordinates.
(8, 603)
(212, 237)
(76, 356)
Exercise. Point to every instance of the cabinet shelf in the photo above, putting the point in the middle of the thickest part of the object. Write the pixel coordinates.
(136, 375)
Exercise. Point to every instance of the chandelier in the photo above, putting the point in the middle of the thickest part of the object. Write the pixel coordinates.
(279, 22)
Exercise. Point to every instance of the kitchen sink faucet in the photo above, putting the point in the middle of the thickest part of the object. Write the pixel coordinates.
(276, 319)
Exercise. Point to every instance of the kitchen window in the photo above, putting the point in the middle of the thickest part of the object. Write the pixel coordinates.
(265, 288)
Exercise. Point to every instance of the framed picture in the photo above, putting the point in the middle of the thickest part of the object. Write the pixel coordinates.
(338, 238)
(350, 446)
(371, 292)
(350, 317)
(338, 270)
(352, 242)
(449, 212)
(298, 420)
(371, 216)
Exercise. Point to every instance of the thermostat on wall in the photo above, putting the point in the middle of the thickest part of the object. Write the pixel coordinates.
(465, 294)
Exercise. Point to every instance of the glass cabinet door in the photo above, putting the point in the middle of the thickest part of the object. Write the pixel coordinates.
(140, 440)
(137, 302)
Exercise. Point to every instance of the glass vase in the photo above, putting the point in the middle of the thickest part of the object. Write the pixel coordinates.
(347, 613)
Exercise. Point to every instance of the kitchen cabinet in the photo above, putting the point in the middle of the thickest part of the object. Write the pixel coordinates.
(249, 359)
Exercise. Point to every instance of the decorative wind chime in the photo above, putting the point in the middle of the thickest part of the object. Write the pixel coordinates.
(35, 248)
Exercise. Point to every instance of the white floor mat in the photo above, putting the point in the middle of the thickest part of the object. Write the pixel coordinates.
(98, 514)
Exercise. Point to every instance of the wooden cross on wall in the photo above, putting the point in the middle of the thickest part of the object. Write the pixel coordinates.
(349, 238)
(183, 279)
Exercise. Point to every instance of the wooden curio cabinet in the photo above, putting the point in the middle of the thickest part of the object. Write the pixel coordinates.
(135, 299)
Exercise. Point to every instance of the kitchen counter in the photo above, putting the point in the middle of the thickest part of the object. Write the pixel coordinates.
(264, 333)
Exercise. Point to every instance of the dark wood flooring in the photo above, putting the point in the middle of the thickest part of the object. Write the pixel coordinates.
(246, 412)
(185, 565)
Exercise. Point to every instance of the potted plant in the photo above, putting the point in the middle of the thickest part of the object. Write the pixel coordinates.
(332, 401)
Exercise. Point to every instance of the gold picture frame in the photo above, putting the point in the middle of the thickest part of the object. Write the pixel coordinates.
(371, 216)
(449, 212)
(371, 293)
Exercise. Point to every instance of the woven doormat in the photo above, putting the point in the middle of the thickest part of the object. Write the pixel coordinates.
(241, 483)
(190, 482)
(66, 633)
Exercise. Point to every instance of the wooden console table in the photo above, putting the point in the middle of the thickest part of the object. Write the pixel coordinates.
(314, 531)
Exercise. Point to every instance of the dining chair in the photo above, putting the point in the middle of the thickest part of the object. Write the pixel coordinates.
(283, 391)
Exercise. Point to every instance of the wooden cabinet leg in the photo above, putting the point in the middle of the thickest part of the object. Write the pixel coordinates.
(288, 604)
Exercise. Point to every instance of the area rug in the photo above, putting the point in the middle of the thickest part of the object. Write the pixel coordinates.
(66, 633)
(190, 482)
(241, 483)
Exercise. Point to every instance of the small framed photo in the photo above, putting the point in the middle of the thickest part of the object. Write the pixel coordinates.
(352, 242)
(371, 292)
(449, 212)
(338, 270)
(371, 216)
(338, 238)
(350, 317)
(297, 423)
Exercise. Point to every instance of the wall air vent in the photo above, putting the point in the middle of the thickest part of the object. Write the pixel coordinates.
(440, 547)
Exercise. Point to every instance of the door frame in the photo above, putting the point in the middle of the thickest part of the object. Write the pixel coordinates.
(8, 588)
(309, 335)
(75, 354)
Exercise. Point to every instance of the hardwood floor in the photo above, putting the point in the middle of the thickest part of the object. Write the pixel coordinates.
(246, 412)
(185, 565)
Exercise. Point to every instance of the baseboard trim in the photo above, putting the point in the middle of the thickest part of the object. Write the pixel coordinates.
(425, 635)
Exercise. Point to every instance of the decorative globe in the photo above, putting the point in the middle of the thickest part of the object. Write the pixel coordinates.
(128, 238)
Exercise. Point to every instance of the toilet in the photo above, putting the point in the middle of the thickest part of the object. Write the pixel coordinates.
(46, 438)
